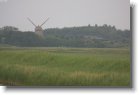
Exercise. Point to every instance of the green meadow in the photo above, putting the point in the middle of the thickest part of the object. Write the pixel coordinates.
(65, 67)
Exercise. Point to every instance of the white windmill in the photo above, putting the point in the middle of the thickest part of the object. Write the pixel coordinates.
(38, 29)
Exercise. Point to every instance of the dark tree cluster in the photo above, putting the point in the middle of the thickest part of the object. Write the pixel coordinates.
(105, 36)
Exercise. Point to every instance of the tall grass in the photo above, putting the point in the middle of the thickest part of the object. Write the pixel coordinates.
(65, 67)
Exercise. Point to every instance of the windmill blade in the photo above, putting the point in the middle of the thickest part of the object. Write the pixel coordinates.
(44, 22)
(31, 22)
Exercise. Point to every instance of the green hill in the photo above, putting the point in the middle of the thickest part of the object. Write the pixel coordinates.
(86, 36)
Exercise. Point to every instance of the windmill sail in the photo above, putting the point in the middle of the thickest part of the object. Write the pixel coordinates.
(44, 22)
(31, 21)
(38, 28)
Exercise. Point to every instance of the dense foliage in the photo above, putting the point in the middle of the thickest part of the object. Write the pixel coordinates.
(85, 36)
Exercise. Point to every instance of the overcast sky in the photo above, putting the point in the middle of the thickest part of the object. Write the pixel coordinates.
(64, 13)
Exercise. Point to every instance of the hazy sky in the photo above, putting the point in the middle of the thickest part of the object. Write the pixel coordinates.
(64, 13)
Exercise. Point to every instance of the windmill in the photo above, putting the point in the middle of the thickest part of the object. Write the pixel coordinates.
(38, 29)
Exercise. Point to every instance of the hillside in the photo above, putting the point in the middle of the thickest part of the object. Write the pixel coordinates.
(86, 36)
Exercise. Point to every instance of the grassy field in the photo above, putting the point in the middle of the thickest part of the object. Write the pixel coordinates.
(65, 67)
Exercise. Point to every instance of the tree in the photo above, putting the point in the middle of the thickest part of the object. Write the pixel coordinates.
(9, 28)
(92, 36)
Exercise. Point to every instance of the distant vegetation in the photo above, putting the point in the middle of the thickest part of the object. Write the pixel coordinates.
(86, 36)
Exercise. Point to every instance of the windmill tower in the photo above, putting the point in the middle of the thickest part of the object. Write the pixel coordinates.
(38, 29)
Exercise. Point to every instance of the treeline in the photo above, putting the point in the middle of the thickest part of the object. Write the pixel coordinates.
(85, 36)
